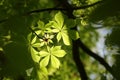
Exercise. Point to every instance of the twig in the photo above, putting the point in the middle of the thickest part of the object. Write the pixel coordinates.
(34, 33)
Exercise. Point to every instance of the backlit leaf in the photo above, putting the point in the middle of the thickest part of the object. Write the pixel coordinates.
(59, 19)
(43, 53)
(66, 39)
(55, 62)
(44, 62)
(59, 53)
(59, 36)
(36, 45)
(34, 55)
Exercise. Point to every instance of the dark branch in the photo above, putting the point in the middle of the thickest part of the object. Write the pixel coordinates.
(78, 62)
(94, 55)
(51, 9)
(43, 10)
(63, 9)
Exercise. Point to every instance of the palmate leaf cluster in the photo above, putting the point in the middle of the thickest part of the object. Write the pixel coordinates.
(43, 47)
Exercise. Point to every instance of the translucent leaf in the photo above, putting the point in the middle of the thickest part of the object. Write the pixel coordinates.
(34, 40)
(42, 74)
(29, 37)
(66, 39)
(36, 45)
(43, 53)
(49, 24)
(59, 53)
(44, 70)
(56, 48)
(56, 25)
(34, 55)
(55, 62)
(59, 36)
(38, 32)
(44, 62)
(55, 30)
(59, 19)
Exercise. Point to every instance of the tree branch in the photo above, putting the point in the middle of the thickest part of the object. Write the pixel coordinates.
(55, 9)
(94, 55)
(63, 9)
(78, 62)
(87, 6)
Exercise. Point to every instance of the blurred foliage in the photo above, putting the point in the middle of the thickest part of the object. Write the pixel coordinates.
(16, 60)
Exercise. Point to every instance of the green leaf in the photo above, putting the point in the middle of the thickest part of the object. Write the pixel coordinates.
(56, 48)
(41, 24)
(34, 55)
(55, 62)
(44, 62)
(34, 40)
(66, 39)
(59, 36)
(74, 35)
(43, 53)
(36, 45)
(29, 37)
(70, 23)
(59, 53)
(55, 25)
(42, 74)
(59, 19)
(55, 30)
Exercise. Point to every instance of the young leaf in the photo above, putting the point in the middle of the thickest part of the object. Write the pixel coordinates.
(36, 45)
(44, 62)
(43, 53)
(55, 48)
(34, 55)
(55, 62)
(59, 36)
(66, 39)
(59, 19)
(59, 53)
(34, 40)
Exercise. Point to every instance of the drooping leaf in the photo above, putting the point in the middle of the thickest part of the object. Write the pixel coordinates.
(66, 38)
(55, 62)
(34, 55)
(59, 36)
(42, 74)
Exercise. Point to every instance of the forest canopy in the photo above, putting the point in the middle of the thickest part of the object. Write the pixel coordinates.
(57, 39)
